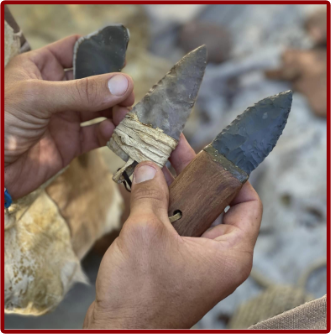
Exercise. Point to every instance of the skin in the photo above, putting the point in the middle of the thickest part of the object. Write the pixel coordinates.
(150, 277)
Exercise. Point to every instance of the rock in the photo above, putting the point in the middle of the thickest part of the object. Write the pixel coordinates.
(306, 70)
(101, 52)
(316, 26)
(216, 38)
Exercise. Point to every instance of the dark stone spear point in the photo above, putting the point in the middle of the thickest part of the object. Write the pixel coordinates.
(253, 134)
(101, 52)
(168, 104)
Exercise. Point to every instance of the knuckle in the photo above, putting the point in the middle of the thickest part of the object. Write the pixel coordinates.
(87, 90)
(149, 193)
(76, 36)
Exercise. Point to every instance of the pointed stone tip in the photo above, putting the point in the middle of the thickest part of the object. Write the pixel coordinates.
(193, 65)
(287, 94)
(284, 100)
(201, 48)
(200, 53)
(168, 104)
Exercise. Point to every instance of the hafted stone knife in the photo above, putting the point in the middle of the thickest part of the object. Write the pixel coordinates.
(211, 181)
(151, 130)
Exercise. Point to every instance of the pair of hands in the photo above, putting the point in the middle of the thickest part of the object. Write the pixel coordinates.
(150, 277)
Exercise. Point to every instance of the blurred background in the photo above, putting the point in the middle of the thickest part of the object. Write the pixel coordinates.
(254, 51)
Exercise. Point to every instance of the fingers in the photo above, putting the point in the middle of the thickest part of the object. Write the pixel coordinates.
(246, 194)
(52, 59)
(116, 114)
(182, 155)
(244, 214)
(179, 158)
(218, 231)
(68, 75)
(88, 116)
(90, 94)
(128, 102)
(96, 135)
(119, 113)
(168, 176)
(63, 50)
(149, 192)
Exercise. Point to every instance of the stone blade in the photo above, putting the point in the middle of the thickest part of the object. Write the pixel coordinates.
(252, 135)
(101, 52)
(168, 104)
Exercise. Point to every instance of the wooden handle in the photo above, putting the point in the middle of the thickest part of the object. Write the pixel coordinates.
(203, 190)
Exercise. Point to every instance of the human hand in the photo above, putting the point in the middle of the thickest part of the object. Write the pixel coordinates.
(44, 110)
(150, 277)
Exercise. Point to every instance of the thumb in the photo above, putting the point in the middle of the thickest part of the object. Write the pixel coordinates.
(89, 94)
(149, 192)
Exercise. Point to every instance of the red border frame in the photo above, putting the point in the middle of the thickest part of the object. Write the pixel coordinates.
(150, 2)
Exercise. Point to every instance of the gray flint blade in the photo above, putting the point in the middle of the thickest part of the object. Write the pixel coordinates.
(253, 134)
(168, 104)
(101, 52)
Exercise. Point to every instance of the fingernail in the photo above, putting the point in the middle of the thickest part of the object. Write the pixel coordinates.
(118, 85)
(144, 173)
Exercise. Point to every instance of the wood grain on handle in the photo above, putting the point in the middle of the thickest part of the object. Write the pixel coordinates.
(203, 190)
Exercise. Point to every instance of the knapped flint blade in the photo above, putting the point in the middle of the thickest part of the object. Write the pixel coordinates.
(101, 52)
(168, 104)
(165, 108)
(253, 134)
